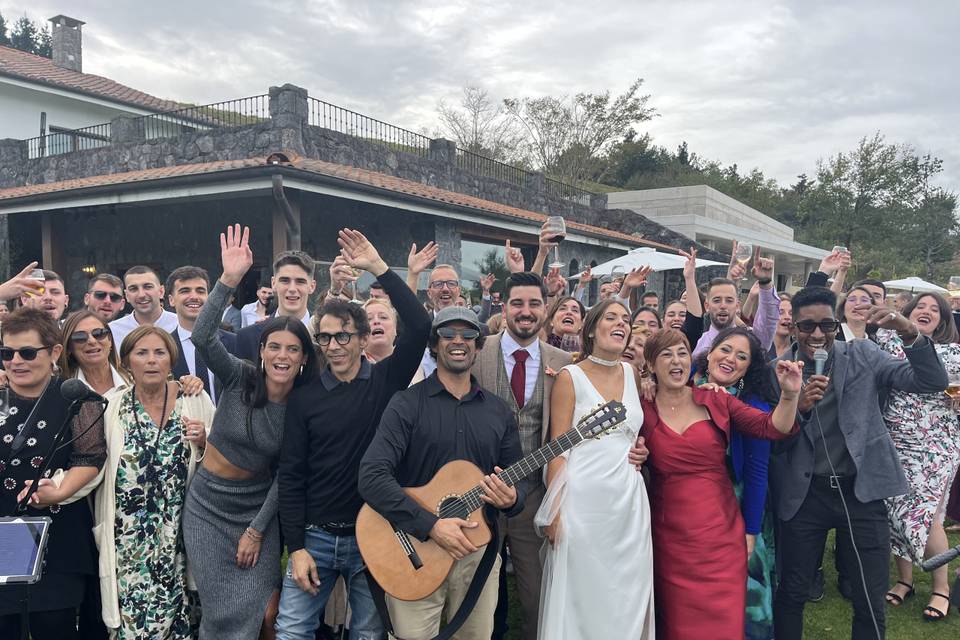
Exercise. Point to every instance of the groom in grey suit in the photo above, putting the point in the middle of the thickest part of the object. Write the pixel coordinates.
(843, 453)
(519, 368)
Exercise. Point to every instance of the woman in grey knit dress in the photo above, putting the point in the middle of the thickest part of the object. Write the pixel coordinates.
(230, 523)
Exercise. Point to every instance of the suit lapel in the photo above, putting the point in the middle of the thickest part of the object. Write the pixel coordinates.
(180, 367)
(490, 360)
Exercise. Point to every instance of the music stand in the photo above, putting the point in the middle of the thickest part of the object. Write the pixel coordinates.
(23, 542)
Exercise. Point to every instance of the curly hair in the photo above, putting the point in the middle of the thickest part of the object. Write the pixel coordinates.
(758, 379)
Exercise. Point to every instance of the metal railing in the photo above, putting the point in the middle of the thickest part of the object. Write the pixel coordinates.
(59, 141)
(330, 116)
(490, 168)
(566, 191)
(219, 115)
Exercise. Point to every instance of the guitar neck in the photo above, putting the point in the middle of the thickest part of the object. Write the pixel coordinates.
(528, 464)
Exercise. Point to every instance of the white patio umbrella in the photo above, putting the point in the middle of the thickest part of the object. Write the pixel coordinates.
(657, 260)
(914, 284)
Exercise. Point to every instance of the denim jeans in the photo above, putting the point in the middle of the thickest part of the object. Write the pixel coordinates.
(335, 556)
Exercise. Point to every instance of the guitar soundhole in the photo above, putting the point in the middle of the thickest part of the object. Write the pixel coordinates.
(453, 507)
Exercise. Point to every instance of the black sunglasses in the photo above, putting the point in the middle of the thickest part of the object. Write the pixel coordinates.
(342, 337)
(102, 295)
(809, 326)
(449, 333)
(82, 336)
(27, 353)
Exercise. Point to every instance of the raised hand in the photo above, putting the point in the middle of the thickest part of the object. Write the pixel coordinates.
(486, 283)
(360, 252)
(586, 277)
(833, 262)
(418, 261)
(514, 258)
(762, 267)
(636, 278)
(690, 266)
(235, 254)
(790, 377)
(554, 282)
(20, 284)
(886, 318)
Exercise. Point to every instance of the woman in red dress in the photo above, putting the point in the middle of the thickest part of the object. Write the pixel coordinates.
(699, 547)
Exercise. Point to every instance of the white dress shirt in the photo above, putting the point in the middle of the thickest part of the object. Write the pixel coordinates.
(118, 380)
(123, 326)
(532, 366)
(248, 313)
(190, 356)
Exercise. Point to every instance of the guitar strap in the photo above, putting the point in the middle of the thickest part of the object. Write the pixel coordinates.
(469, 602)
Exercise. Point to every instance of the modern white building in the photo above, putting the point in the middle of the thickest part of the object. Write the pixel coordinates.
(42, 96)
(716, 220)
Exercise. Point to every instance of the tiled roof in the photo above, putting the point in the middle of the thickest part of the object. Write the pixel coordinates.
(34, 68)
(320, 168)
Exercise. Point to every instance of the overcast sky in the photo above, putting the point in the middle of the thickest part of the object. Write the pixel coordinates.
(767, 84)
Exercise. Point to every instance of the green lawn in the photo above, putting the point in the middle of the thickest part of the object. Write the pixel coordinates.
(829, 619)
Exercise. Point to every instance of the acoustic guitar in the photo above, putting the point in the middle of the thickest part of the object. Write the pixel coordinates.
(409, 569)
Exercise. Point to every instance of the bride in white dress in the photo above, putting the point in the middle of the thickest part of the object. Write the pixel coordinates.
(598, 570)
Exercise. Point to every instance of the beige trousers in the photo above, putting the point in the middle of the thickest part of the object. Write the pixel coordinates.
(420, 620)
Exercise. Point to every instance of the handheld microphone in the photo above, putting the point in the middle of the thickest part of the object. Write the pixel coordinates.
(75, 390)
(941, 559)
(820, 361)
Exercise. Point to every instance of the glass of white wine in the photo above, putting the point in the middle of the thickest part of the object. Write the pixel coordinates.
(953, 385)
(953, 287)
(743, 254)
(37, 274)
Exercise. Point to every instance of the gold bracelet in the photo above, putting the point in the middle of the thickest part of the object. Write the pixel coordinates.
(250, 533)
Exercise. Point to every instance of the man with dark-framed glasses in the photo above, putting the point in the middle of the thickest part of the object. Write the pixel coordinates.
(328, 426)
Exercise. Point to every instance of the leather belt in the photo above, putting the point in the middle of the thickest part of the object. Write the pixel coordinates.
(339, 528)
(835, 482)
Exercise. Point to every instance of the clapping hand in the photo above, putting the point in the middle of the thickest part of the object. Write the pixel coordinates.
(235, 254)
(418, 261)
(360, 252)
(20, 284)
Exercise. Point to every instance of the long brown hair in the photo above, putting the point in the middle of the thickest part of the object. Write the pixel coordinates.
(587, 337)
(68, 362)
(946, 331)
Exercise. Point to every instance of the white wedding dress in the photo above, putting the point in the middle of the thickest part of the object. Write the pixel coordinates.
(598, 577)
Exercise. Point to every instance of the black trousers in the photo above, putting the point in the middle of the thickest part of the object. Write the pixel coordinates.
(44, 625)
(802, 539)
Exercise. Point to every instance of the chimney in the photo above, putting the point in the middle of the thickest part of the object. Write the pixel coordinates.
(67, 44)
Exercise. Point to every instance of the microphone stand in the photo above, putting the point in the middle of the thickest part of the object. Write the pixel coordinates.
(72, 411)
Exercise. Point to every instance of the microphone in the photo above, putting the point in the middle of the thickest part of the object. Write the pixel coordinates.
(941, 559)
(75, 390)
(820, 361)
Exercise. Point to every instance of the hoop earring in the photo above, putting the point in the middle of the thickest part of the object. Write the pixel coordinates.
(301, 370)
(263, 367)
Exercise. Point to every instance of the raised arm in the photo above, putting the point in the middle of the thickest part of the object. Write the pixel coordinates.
(923, 371)
(236, 257)
(780, 422)
(768, 303)
(418, 261)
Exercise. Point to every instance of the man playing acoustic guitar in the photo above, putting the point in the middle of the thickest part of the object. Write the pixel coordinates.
(446, 417)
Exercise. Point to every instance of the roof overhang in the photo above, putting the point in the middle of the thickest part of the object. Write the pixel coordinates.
(73, 94)
(257, 180)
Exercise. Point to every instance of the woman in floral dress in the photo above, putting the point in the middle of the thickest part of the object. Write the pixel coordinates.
(154, 439)
(925, 431)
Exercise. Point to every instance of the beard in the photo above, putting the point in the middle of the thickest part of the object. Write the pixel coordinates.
(523, 333)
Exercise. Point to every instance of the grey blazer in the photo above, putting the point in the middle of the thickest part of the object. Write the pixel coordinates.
(490, 359)
(861, 373)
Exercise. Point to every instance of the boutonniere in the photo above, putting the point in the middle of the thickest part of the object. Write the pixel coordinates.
(550, 372)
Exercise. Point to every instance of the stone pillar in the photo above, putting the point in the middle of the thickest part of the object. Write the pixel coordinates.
(289, 112)
(13, 155)
(66, 42)
(598, 201)
(126, 129)
(443, 150)
(447, 237)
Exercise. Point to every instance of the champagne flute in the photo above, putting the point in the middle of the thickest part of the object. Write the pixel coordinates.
(743, 254)
(4, 402)
(558, 227)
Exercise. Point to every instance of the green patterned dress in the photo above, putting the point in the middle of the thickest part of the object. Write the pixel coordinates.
(151, 565)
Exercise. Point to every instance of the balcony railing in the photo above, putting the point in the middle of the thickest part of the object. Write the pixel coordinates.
(59, 141)
(330, 116)
(219, 115)
(490, 168)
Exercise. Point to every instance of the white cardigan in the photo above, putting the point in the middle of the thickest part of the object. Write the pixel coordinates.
(105, 502)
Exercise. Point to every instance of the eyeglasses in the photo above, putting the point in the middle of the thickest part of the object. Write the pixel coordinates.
(103, 295)
(82, 336)
(342, 338)
(27, 353)
(449, 333)
(809, 326)
(440, 284)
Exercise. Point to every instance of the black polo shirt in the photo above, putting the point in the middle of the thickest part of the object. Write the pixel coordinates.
(422, 429)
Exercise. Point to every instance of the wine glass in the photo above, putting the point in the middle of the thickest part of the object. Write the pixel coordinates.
(36, 274)
(743, 254)
(556, 226)
(953, 287)
(953, 385)
(570, 342)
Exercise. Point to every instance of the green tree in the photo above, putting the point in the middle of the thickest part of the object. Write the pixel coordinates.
(564, 135)
(24, 35)
(44, 44)
(934, 232)
(4, 38)
(491, 262)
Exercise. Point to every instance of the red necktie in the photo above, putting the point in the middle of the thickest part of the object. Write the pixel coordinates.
(518, 379)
